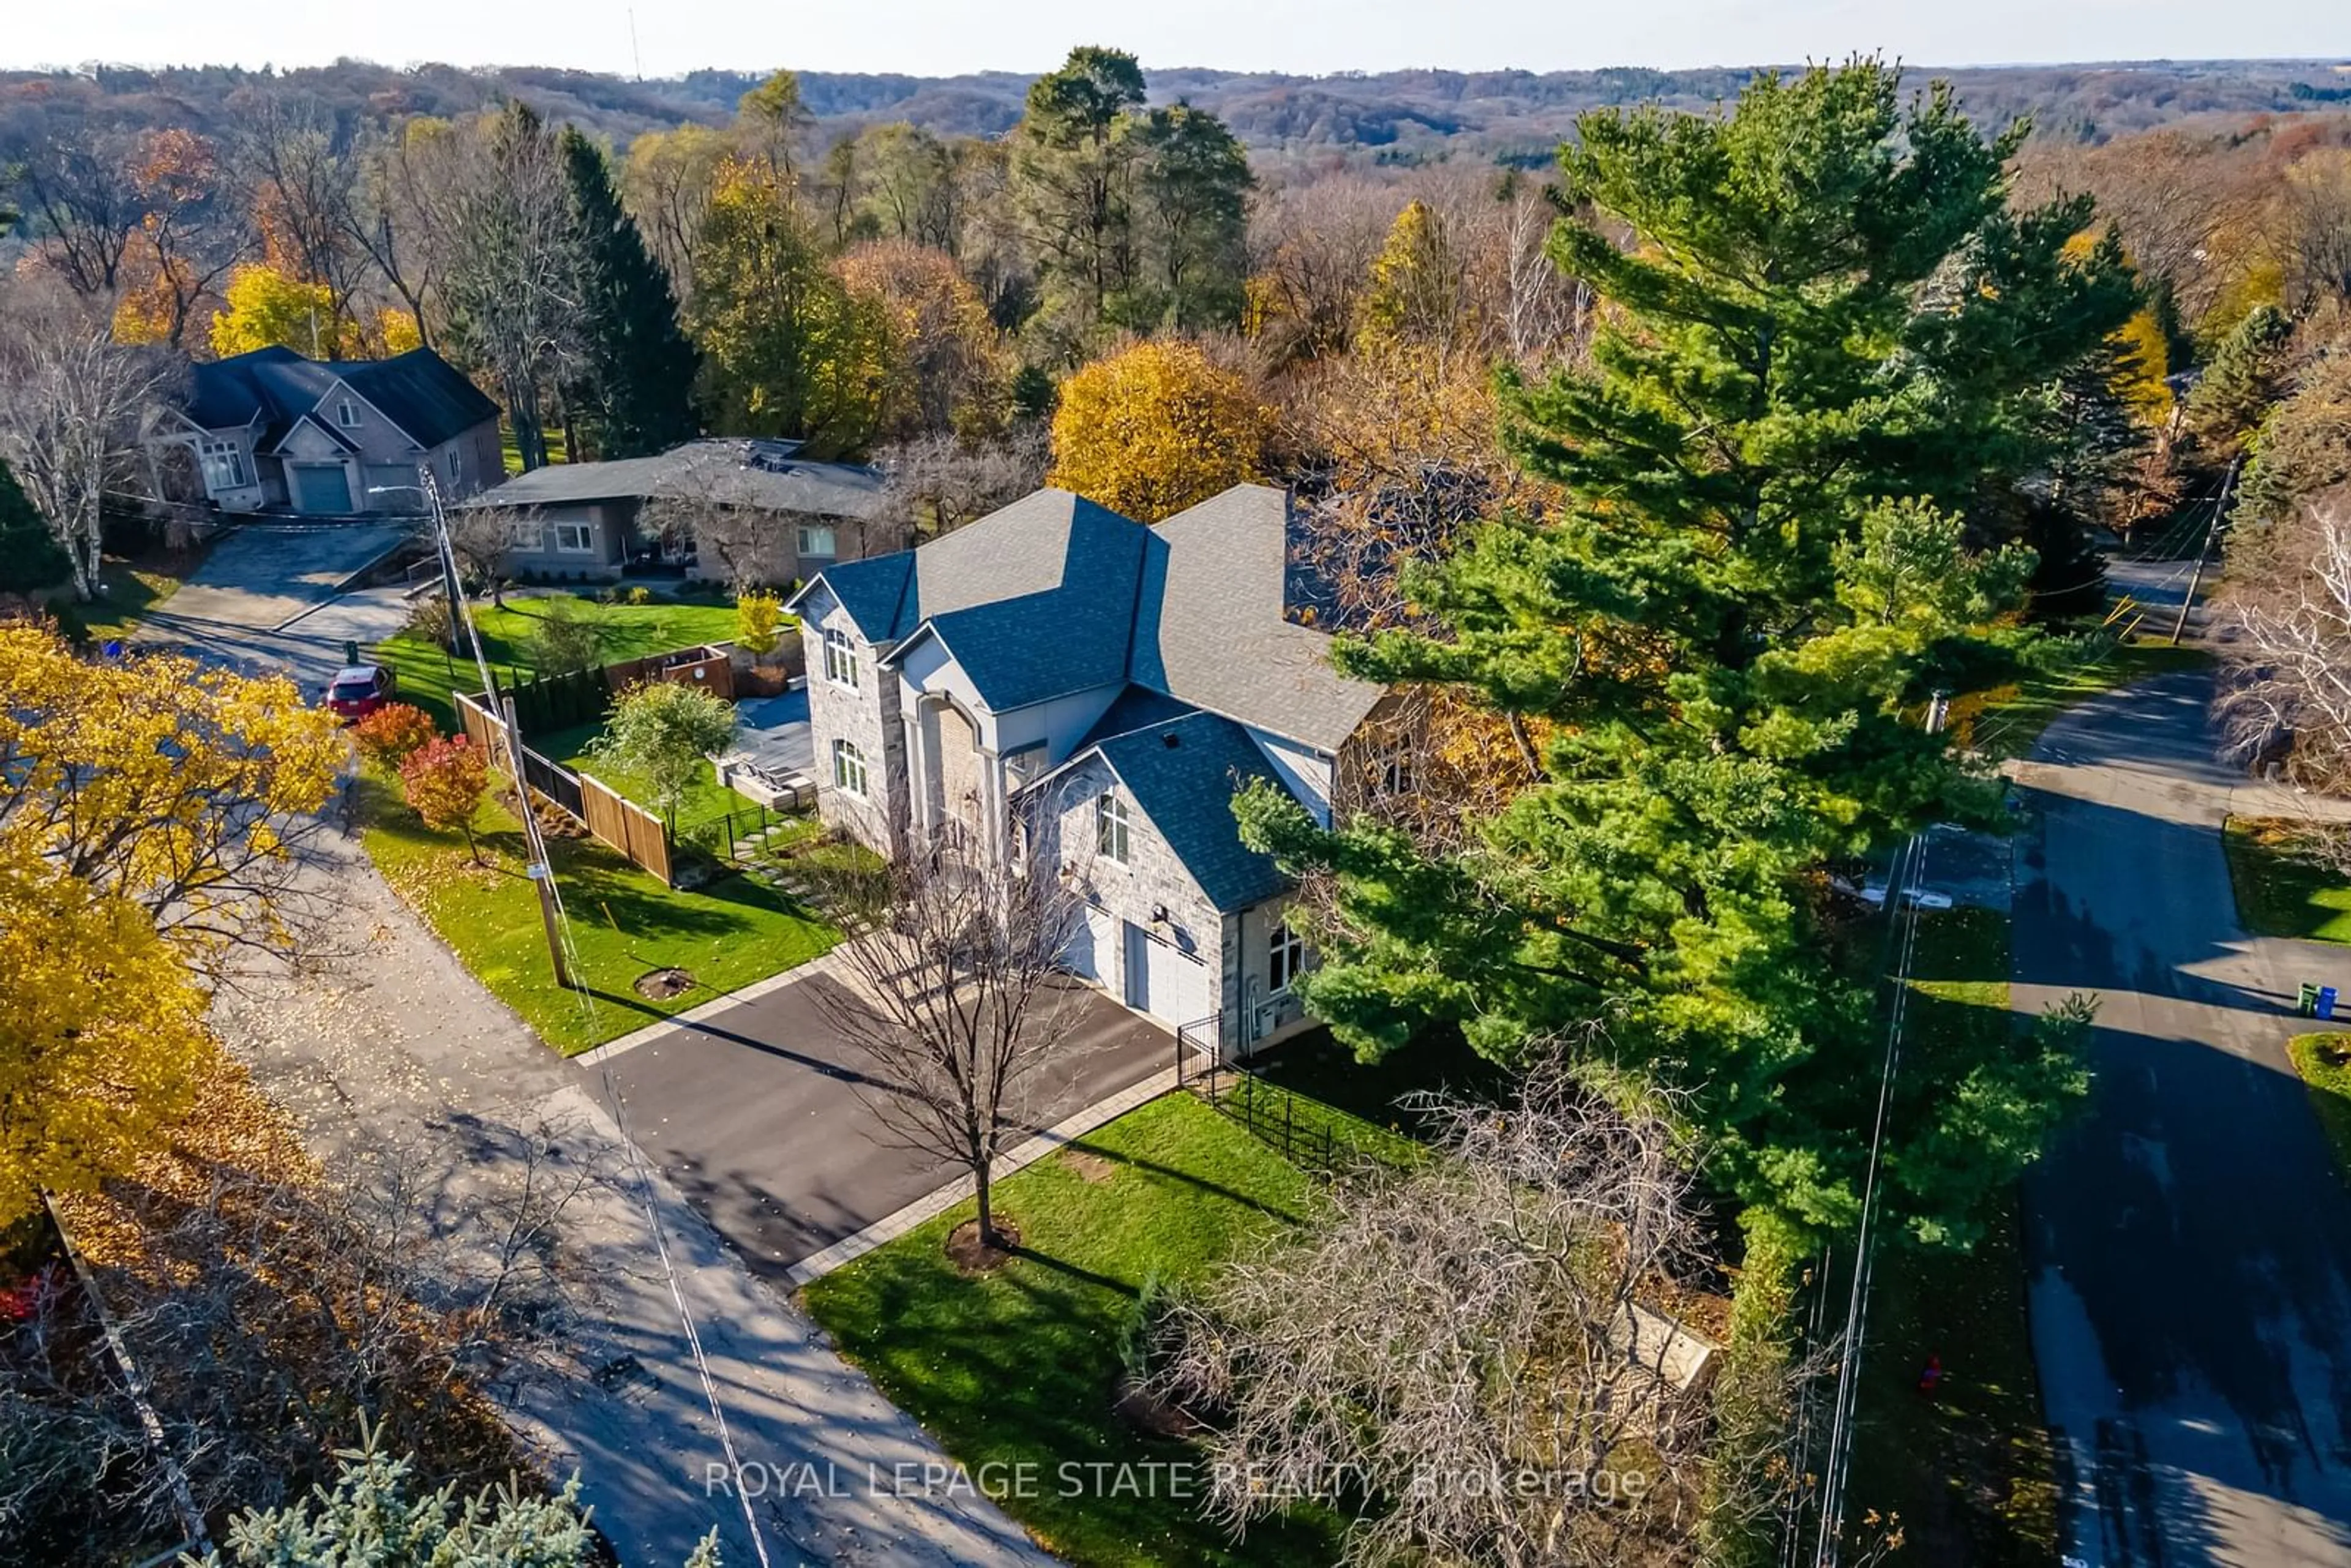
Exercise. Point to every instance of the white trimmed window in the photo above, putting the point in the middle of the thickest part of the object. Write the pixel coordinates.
(575, 539)
(1113, 831)
(224, 465)
(346, 414)
(849, 767)
(817, 539)
(839, 657)
(1285, 957)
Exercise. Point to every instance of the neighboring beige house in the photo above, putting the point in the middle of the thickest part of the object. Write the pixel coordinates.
(273, 431)
(1059, 681)
(734, 510)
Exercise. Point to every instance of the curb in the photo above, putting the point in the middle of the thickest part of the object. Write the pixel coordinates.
(849, 1248)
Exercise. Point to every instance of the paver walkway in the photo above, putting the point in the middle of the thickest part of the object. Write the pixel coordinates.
(389, 1039)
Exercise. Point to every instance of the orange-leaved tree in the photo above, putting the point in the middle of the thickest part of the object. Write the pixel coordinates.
(389, 735)
(445, 781)
(1156, 428)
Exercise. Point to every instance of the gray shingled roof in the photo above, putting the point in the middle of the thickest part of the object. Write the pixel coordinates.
(1209, 627)
(759, 475)
(1183, 775)
(1055, 594)
(426, 397)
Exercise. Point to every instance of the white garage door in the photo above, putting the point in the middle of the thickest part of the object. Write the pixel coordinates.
(1092, 952)
(1164, 981)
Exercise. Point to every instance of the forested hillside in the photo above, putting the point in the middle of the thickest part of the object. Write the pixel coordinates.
(1413, 114)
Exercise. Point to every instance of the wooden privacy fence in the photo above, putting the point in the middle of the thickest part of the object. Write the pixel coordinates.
(708, 667)
(611, 816)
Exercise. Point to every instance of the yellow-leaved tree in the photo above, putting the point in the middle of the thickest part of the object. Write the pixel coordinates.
(1156, 428)
(267, 309)
(103, 1036)
(148, 831)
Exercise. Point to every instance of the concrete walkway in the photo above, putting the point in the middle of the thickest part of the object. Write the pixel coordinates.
(388, 1040)
(2189, 1236)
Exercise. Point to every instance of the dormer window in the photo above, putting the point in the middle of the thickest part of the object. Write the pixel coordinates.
(346, 414)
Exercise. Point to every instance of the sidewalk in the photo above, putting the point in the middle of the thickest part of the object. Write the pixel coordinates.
(390, 1039)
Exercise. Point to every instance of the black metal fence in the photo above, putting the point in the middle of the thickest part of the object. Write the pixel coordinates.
(1302, 1130)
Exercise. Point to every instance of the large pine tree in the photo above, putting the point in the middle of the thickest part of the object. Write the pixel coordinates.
(639, 397)
(1827, 340)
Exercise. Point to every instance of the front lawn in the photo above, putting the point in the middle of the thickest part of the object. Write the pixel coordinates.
(706, 818)
(624, 923)
(2323, 1060)
(1020, 1367)
(134, 589)
(1968, 1471)
(2282, 890)
(428, 674)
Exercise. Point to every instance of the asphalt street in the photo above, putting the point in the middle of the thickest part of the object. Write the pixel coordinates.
(2189, 1236)
(765, 1117)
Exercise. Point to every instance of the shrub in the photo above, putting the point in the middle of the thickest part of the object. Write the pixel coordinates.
(663, 730)
(640, 594)
(389, 735)
(428, 621)
(568, 639)
(758, 623)
(443, 780)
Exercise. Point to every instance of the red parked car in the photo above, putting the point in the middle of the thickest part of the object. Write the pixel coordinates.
(360, 690)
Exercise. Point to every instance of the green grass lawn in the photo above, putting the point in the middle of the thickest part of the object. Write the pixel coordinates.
(2281, 890)
(428, 675)
(624, 923)
(134, 589)
(557, 449)
(2323, 1060)
(1970, 1472)
(1021, 1366)
(2005, 721)
(703, 818)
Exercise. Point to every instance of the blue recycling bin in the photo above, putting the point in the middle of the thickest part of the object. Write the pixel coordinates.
(2325, 1008)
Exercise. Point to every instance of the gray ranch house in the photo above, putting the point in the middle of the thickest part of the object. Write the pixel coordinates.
(1058, 681)
(728, 510)
(273, 431)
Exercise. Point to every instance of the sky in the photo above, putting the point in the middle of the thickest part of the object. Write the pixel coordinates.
(937, 37)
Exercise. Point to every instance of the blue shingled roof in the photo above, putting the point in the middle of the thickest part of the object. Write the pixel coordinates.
(1183, 775)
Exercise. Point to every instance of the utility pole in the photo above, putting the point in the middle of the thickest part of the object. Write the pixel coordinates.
(542, 870)
(2220, 504)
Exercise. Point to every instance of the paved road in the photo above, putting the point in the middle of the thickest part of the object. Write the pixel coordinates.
(2190, 1238)
(388, 1051)
(309, 649)
(761, 1115)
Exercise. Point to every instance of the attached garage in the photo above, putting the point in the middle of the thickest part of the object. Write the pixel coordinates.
(1164, 980)
(320, 488)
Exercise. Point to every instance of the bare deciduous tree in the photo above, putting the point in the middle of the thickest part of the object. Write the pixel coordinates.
(956, 991)
(73, 174)
(934, 484)
(2285, 689)
(1480, 1344)
(498, 222)
(76, 409)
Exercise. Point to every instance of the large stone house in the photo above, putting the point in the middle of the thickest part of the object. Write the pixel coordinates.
(272, 431)
(728, 510)
(1059, 682)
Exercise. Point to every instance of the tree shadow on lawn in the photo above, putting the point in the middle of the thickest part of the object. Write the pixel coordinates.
(1172, 1173)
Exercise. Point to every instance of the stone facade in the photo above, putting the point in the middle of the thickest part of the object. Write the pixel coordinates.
(866, 716)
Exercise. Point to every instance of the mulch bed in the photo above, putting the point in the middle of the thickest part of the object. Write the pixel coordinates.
(972, 1256)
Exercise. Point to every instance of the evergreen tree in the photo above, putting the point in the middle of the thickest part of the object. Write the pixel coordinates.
(30, 556)
(1830, 334)
(2245, 379)
(1193, 208)
(638, 397)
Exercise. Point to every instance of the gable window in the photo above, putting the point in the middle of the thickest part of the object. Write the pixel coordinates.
(1285, 956)
(817, 539)
(1396, 769)
(839, 657)
(849, 767)
(224, 465)
(575, 539)
(1113, 831)
(346, 414)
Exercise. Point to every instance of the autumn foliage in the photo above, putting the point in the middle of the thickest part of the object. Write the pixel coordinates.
(443, 780)
(388, 735)
(1156, 429)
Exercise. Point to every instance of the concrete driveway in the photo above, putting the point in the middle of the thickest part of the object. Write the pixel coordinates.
(264, 575)
(763, 1117)
(2189, 1237)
